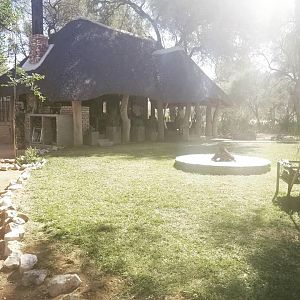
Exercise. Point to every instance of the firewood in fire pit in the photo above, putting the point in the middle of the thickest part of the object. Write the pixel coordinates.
(222, 155)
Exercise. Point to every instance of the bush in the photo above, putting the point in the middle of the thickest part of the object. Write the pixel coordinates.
(30, 156)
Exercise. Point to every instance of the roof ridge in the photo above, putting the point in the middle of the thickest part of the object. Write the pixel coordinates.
(111, 28)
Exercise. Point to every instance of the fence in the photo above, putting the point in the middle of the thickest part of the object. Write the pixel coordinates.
(4, 109)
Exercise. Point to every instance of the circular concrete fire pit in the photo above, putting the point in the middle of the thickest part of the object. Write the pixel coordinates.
(242, 165)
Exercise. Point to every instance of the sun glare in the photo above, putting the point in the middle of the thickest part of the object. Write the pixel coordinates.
(268, 9)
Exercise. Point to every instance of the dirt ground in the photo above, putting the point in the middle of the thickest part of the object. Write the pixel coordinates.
(6, 177)
(56, 261)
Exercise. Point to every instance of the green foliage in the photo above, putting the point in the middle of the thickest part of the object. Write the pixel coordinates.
(29, 81)
(8, 15)
(260, 98)
(113, 14)
(198, 26)
(60, 12)
(30, 156)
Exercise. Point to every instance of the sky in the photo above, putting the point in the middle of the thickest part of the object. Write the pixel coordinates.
(268, 13)
(267, 9)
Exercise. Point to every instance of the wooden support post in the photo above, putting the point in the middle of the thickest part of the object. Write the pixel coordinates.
(161, 121)
(215, 121)
(186, 123)
(152, 109)
(172, 113)
(208, 128)
(77, 123)
(198, 119)
(125, 120)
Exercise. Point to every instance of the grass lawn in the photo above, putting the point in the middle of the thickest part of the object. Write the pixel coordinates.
(166, 232)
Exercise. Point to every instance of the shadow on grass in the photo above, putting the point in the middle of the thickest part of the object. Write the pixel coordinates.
(288, 204)
(105, 251)
(277, 265)
(157, 151)
(274, 258)
(291, 206)
(274, 262)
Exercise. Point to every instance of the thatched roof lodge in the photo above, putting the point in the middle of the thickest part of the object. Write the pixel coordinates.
(86, 60)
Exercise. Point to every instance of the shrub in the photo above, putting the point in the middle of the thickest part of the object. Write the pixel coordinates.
(30, 156)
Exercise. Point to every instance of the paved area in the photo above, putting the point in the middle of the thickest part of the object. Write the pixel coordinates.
(6, 177)
(6, 151)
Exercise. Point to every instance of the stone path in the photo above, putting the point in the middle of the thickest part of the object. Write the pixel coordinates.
(6, 177)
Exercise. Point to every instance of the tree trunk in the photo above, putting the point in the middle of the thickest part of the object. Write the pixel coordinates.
(77, 123)
(186, 123)
(13, 114)
(257, 118)
(198, 120)
(297, 88)
(255, 110)
(125, 120)
(161, 122)
(208, 128)
(296, 102)
(215, 121)
(152, 109)
(172, 113)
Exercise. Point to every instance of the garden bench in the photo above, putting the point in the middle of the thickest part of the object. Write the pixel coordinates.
(289, 172)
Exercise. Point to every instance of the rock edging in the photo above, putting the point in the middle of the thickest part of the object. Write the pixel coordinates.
(12, 231)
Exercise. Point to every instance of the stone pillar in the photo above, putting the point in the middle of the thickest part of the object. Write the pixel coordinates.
(186, 123)
(215, 122)
(161, 121)
(198, 119)
(77, 123)
(37, 48)
(208, 128)
(152, 109)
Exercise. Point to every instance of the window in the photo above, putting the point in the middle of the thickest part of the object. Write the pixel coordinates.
(4, 109)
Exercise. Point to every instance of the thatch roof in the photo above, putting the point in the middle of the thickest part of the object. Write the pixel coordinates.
(88, 60)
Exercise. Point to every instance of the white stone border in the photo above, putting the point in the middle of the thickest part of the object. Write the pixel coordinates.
(12, 224)
(12, 231)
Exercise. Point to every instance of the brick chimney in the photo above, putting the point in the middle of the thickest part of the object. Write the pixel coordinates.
(38, 42)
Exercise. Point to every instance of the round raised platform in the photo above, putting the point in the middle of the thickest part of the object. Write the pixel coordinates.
(243, 165)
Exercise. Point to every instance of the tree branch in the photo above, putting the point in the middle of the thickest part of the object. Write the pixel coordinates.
(277, 70)
(141, 12)
(3, 26)
(194, 50)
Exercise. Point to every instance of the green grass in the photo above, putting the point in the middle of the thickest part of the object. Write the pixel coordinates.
(167, 232)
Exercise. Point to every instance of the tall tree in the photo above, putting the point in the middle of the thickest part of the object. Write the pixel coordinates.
(297, 68)
(59, 12)
(8, 17)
